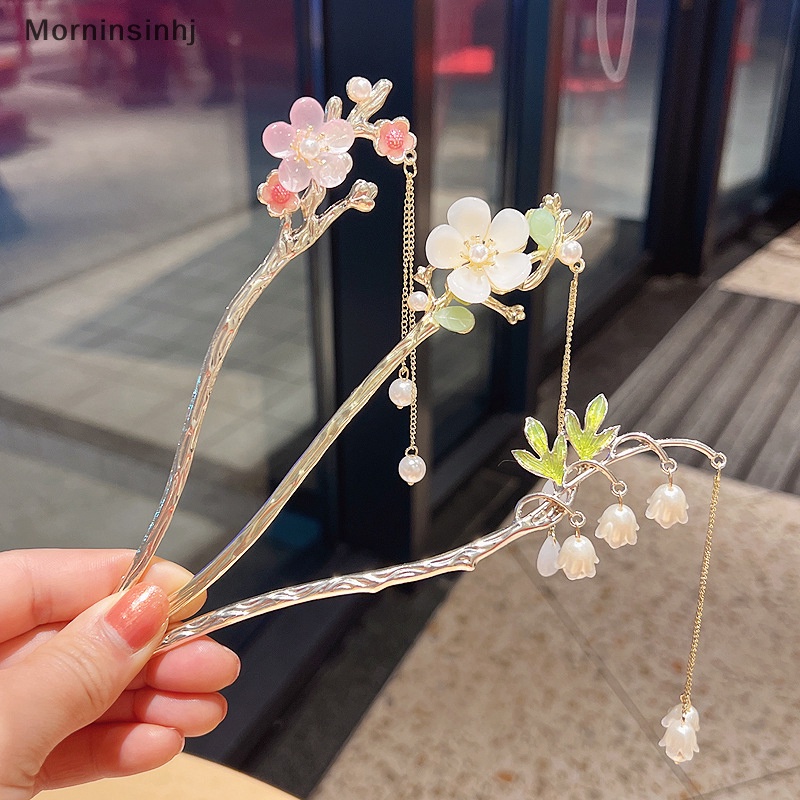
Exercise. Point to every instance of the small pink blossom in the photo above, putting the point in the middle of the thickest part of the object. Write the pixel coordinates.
(311, 148)
(276, 197)
(395, 139)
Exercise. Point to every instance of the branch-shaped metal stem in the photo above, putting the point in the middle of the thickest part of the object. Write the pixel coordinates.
(290, 244)
(264, 517)
(548, 512)
(512, 314)
(588, 465)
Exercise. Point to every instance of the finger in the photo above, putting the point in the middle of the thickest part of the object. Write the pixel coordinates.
(70, 680)
(109, 751)
(202, 665)
(14, 650)
(190, 714)
(43, 586)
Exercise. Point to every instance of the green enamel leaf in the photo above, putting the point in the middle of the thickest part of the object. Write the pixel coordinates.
(552, 463)
(586, 440)
(595, 413)
(573, 428)
(549, 463)
(455, 318)
(542, 225)
(528, 461)
(605, 438)
(558, 459)
(536, 436)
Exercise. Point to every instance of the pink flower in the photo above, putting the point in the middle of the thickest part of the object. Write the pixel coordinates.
(395, 139)
(276, 197)
(311, 148)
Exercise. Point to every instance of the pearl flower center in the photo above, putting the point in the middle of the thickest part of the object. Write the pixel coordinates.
(308, 148)
(478, 254)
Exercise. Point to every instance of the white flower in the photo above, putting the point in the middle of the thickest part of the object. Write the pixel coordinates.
(667, 505)
(676, 713)
(617, 525)
(680, 740)
(484, 253)
(577, 558)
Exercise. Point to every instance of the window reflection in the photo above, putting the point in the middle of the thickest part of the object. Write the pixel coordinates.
(758, 73)
(607, 117)
(469, 86)
(127, 176)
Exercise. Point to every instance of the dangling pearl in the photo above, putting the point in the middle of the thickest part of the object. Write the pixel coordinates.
(411, 469)
(570, 253)
(402, 392)
(418, 301)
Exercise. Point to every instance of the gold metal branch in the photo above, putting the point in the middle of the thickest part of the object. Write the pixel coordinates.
(264, 517)
(548, 510)
(290, 243)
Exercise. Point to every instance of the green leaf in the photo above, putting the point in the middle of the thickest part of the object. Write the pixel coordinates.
(605, 438)
(557, 459)
(552, 462)
(536, 436)
(573, 428)
(542, 226)
(595, 414)
(587, 441)
(455, 318)
(528, 461)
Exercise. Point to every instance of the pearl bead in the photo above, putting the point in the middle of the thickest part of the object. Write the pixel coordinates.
(411, 469)
(358, 89)
(418, 301)
(308, 148)
(478, 253)
(402, 392)
(570, 253)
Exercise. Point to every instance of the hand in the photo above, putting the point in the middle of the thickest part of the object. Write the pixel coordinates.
(81, 696)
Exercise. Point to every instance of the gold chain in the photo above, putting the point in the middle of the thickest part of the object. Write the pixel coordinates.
(407, 314)
(686, 697)
(566, 363)
(567, 360)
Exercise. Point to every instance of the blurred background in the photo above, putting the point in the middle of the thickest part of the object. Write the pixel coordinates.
(128, 219)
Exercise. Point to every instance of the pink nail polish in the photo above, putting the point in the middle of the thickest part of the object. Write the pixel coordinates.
(139, 615)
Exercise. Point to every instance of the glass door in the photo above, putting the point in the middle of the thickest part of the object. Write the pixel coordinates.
(762, 49)
(607, 114)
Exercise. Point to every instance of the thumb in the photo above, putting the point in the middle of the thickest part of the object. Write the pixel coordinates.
(73, 678)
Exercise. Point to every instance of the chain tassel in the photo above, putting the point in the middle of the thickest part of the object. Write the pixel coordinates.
(403, 391)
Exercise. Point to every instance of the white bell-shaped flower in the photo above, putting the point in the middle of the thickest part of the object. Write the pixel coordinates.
(617, 525)
(547, 560)
(577, 558)
(680, 740)
(667, 505)
(676, 713)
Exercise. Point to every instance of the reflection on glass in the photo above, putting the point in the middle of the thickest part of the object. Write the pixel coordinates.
(758, 74)
(469, 51)
(126, 194)
(606, 132)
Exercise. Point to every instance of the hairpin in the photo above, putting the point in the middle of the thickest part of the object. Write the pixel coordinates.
(484, 257)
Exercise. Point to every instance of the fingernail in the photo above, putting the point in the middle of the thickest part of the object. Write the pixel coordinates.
(139, 615)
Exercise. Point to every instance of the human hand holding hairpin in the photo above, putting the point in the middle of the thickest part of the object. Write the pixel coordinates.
(81, 695)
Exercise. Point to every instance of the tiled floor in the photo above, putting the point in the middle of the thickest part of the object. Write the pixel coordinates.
(525, 687)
